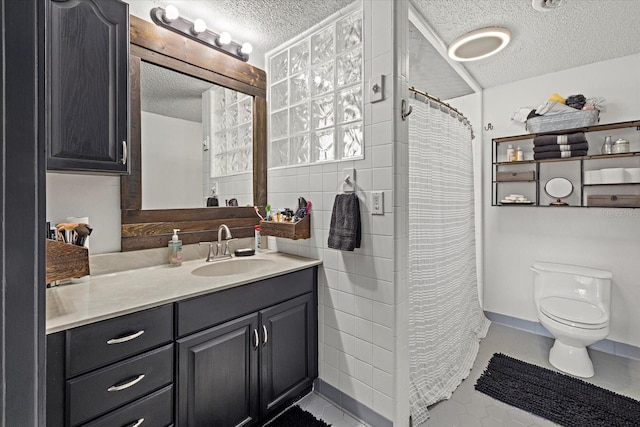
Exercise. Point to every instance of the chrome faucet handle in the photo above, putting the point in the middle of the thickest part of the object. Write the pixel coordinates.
(211, 256)
(226, 245)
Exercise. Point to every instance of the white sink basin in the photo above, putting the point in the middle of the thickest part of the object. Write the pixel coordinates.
(233, 266)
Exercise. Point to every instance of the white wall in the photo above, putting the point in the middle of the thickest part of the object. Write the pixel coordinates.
(356, 289)
(597, 237)
(93, 196)
(172, 156)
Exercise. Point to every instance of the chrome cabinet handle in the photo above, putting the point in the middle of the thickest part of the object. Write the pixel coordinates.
(256, 339)
(266, 336)
(125, 339)
(126, 385)
(124, 152)
(138, 423)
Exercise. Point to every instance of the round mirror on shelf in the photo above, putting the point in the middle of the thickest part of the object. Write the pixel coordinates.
(558, 188)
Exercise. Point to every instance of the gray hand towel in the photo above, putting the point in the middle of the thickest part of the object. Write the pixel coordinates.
(344, 230)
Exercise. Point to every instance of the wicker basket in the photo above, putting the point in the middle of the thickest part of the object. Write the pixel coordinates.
(562, 121)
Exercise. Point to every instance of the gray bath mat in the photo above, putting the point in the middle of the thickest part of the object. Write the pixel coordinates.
(560, 398)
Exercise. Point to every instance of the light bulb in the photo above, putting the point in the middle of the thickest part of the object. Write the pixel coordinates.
(198, 26)
(224, 38)
(170, 14)
(246, 48)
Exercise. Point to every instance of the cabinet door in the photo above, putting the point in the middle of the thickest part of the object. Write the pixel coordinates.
(218, 375)
(87, 72)
(289, 352)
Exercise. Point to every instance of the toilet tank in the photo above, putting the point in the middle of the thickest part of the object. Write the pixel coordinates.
(572, 281)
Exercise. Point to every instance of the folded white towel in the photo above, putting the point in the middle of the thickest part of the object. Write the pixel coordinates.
(553, 107)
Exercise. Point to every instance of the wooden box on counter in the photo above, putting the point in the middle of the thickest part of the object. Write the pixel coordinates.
(66, 261)
(287, 230)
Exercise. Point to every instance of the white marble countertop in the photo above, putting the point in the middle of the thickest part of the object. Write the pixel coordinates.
(111, 295)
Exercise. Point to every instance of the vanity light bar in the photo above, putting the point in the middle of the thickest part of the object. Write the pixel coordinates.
(197, 31)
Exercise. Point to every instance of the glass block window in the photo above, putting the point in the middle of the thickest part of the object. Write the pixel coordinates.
(231, 131)
(316, 103)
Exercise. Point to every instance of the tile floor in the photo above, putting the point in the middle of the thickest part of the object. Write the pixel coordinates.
(469, 408)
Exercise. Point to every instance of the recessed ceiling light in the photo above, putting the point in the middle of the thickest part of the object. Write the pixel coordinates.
(479, 44)
(545, 5)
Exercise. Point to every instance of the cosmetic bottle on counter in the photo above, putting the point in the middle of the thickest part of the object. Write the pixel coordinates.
(257, 238)
(175, 250)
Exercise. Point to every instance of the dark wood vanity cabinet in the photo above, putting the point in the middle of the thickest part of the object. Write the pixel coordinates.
(115, 371)
(288, 363)
(242, 371)
(240, 356)
(218, 375)
(87, 70)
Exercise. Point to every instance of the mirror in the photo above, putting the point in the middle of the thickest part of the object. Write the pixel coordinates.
(558, 188)
(144, 228)
(196, 142)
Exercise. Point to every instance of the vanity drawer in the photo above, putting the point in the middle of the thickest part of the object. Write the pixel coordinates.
(203, 312)
(153, 410)
(98, 392)
(98, 344)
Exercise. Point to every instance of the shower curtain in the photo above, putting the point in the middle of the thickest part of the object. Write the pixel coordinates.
(445, 318)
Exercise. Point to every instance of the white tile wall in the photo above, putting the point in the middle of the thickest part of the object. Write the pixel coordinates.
(356, 289)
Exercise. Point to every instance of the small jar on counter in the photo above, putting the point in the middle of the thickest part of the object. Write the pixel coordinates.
(519, 154)
(620, 146)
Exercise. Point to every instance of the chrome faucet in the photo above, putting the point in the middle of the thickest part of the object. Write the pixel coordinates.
(221, 249)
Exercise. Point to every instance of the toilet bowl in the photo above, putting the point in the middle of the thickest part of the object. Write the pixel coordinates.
(573, 304)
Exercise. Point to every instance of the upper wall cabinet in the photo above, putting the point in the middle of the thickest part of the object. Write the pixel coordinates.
(87, 85)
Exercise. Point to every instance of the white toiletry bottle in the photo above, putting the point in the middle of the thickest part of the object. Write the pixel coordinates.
(257, 238)
(175, 250)
(510, 153)
(519, 154)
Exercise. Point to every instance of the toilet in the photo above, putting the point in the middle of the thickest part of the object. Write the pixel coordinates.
(573, 304)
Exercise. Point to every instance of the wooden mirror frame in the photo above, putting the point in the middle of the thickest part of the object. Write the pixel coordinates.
(145, 229)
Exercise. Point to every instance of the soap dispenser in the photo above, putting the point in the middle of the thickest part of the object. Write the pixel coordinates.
(175, 250)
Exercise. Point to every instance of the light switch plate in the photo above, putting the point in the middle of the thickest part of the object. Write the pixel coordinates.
(376, 89)
(377, 203)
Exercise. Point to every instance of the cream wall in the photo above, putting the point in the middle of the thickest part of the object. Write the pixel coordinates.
(94, 196)
(596, 237)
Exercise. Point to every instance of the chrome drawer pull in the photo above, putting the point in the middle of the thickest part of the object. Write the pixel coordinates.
(256, 339)
(266, 336)
(126, 385)
(138, 423)
(125, 339)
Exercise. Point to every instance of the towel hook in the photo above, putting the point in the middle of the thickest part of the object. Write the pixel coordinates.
(403, 108)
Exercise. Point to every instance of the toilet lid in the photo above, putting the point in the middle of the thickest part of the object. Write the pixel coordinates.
(573, 311)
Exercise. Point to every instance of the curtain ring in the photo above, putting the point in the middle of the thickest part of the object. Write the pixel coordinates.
(403, 108)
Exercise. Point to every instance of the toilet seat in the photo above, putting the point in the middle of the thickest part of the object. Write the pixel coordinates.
(572, 312)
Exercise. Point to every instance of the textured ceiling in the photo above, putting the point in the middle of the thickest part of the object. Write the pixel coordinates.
(577, 33)
(171, 94)
(430, 72)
